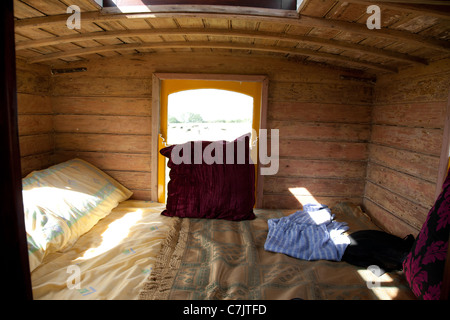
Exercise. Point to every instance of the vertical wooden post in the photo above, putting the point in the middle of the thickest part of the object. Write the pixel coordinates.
(14, 267)
(156, 87)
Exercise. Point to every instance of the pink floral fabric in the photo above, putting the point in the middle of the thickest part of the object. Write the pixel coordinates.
(424, 265)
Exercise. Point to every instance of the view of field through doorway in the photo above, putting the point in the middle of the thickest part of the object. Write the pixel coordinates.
(208, 114)
(193, 110)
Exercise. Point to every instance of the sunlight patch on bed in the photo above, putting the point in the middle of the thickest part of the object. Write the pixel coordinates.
(52, 198)
(303, 195)
(49, 194)
(379, 285)
(116, 232)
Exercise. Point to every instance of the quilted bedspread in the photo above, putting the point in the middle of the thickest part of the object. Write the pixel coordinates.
(221, 259)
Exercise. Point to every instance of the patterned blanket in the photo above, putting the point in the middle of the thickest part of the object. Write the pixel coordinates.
(220, 259)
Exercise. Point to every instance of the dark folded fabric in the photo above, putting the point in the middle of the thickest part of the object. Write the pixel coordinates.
(373, 247)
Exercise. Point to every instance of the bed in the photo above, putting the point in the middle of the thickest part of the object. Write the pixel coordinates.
(114, 258)
(135, 250)
(220, 259)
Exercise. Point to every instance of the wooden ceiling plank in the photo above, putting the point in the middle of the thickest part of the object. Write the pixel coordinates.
(397, 35)
(214, 45)
(24, 11)
(35, 34)
(49, 7)
(318, 8)
(272, 36)
(417, 24)
(60, 31)
(425, 8)
(301, 4)
(439, 30)
(357, 28)
(351, 12)
(85, 5)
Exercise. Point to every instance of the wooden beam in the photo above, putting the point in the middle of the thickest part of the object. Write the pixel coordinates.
(239, 10)
(395, 35)
(210, 45)
(304, 21)
(344, 45)
(156, 106)
(269, 4)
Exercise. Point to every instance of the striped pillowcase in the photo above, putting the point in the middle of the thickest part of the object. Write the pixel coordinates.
(63, 202)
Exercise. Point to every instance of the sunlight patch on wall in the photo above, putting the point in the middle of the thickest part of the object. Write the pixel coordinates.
(303, 195)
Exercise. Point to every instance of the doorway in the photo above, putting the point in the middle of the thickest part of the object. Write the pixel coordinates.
(204, 107)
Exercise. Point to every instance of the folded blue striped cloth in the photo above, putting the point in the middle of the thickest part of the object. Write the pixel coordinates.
(308, 234)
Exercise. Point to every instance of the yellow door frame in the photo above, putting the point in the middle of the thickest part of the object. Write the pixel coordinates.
(166, 84)
(168, 87)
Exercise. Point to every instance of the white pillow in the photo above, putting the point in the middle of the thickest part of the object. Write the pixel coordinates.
(63, 202)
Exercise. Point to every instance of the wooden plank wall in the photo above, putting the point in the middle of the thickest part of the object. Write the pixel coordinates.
(103, 115)
(407, 134)
(324, 130)
(106, 120)
(34, 116)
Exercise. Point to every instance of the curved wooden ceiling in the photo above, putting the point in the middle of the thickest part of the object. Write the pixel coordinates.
(326, 31)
